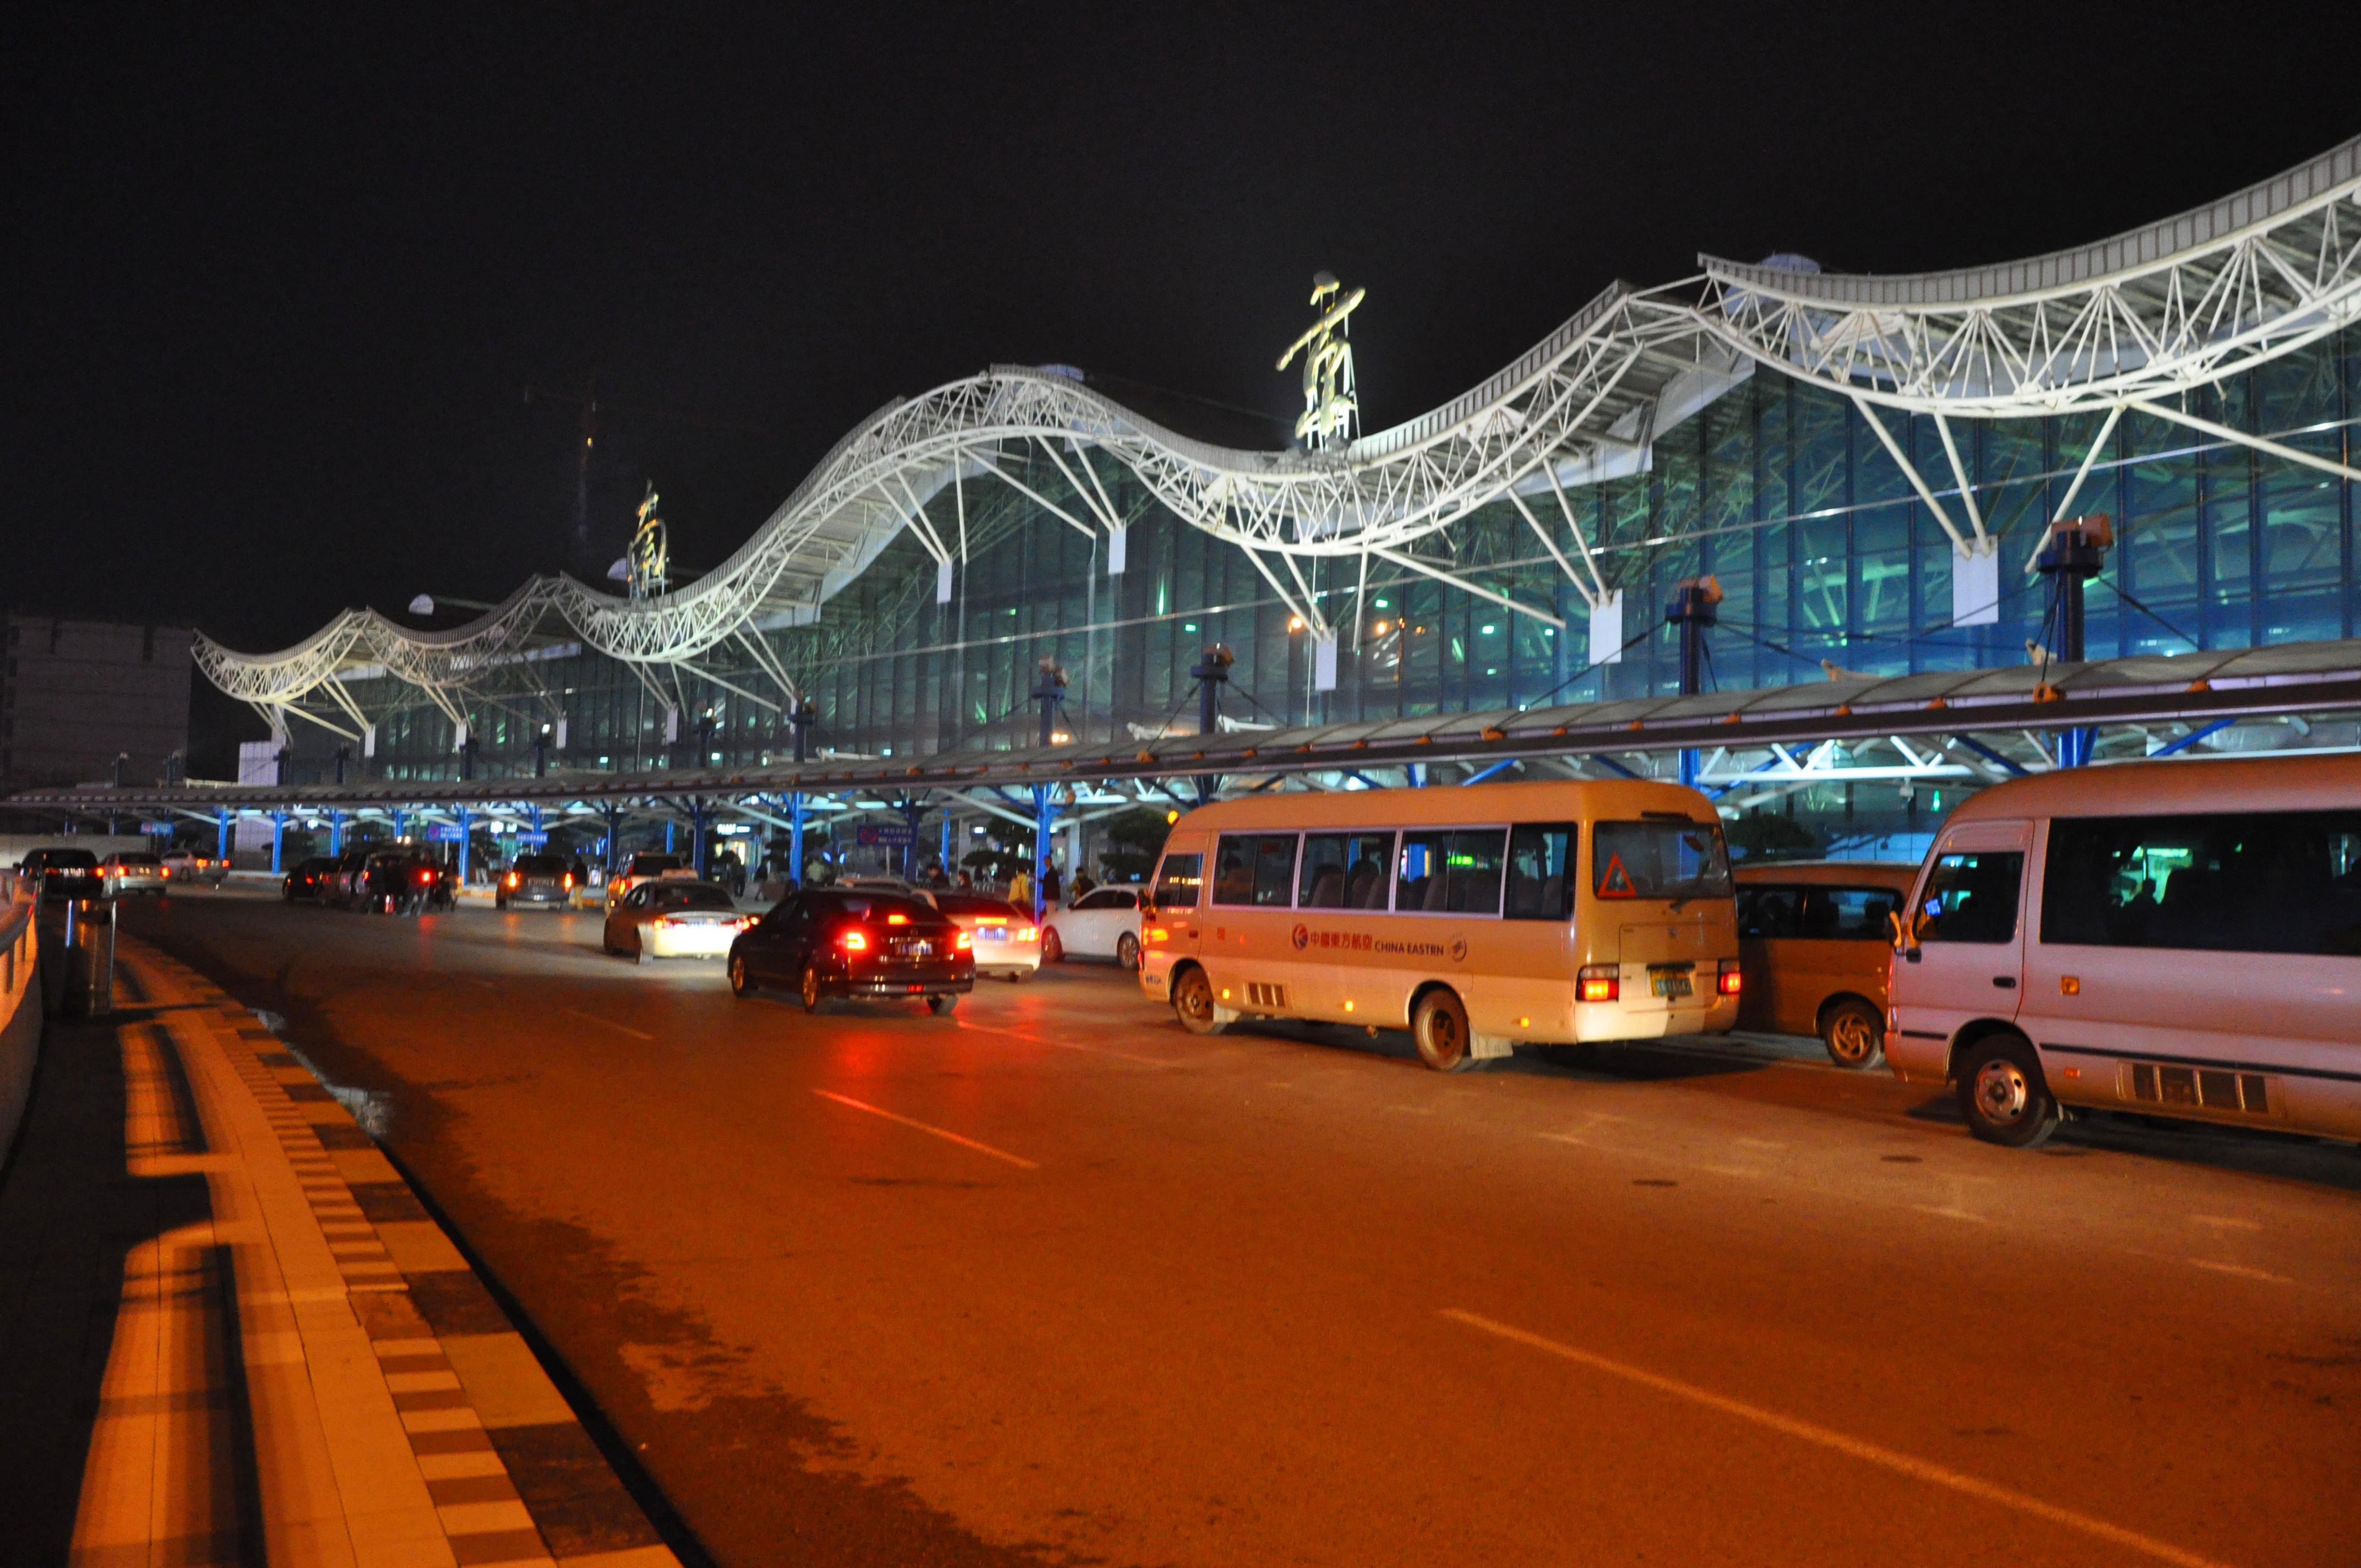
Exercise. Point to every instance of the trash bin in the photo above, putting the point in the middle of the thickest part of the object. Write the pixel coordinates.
(88, 958)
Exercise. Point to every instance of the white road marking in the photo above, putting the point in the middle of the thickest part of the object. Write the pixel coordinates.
(1853, 1447)
(2242, 1272)
(1564, 1138)
(2226, 1219)
(1742, 1172)
(594, 1018)
(1952, 1214)
(1064, 1045)
(939, 1131)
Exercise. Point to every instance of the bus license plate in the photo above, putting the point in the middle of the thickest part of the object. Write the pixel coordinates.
(1671, 985)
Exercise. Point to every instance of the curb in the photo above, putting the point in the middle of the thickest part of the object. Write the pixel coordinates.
(513, 1475)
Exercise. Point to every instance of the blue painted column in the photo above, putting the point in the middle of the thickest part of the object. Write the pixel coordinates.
(698, 815)
(669, 825)
(278, 839)
(401, 824)
(335, 832)
(467, 834)
(949, 869)
(795, 835)
(221, 834)
(1044, 817)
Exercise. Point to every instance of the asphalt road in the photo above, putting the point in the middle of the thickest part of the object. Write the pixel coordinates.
(1049, 1281)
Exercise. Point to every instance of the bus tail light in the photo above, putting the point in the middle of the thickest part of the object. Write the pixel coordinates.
(853, 942)
(1601, 982)
(1731, 978)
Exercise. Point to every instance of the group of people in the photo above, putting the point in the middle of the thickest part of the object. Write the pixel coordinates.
(1020, 891)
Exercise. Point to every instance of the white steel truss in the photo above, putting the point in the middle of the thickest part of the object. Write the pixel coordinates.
(2130, 323)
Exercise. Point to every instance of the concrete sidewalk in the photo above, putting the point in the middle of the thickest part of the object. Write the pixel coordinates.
(235, 1336)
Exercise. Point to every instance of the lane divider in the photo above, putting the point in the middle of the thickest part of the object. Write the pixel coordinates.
(1851, 1447)
(938, 1131)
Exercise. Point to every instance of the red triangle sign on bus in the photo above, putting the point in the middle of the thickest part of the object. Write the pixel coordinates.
(1614, 881)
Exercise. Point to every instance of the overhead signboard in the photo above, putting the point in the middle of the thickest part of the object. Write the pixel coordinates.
(445, 833)
(532, 836)
(886, 835)
(156, 828)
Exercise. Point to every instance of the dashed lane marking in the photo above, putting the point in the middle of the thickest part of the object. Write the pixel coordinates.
(2242, 1271)
(2226, 1219)
(1853, 1447)
(593, 1017)
(924, 1127)
(1065, 1045)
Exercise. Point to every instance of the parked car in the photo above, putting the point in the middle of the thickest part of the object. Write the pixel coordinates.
(343, 883)
(1102, 924)
(645, 867)
(63, 873)
(669, 918)
(543, 880)
(1006, 942)
(826, 942)
(190, 865)
(128, 872)
(1814, 944)
(309, 879)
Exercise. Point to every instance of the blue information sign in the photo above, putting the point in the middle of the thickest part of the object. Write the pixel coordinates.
(156, 828)
(443, 833)
(532, 836)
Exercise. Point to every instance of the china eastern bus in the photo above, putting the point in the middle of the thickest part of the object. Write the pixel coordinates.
(1480, 917)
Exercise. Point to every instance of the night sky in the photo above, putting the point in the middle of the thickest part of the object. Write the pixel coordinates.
(278, 279)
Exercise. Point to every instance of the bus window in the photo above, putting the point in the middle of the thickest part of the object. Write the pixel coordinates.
(1254, 869)
(2251, 881)
(1541, 868)
(1971, 897)
(1660, 859)
(1177, 880)
(1455, 873)
(1344, 871)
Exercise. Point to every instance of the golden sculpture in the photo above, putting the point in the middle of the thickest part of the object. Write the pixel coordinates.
(651, 551)
(1330, 409)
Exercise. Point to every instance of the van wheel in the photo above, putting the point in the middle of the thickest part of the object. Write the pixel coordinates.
(1439, 1028)
(2004, 1095)
(1193, 1003)
(1127, 951)
(1853, 1033)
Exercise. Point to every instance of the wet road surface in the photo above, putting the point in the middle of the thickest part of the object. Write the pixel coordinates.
(1049, 1281)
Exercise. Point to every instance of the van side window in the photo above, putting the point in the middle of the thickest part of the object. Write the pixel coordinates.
(1769, 914)
(1344, 871)
(1540, 871)
(1848, 914)
(2282, 882)
(1255, 870)
(1177, 882)
(1971, 897)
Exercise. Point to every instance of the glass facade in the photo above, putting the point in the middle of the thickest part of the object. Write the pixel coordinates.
(1778, 489)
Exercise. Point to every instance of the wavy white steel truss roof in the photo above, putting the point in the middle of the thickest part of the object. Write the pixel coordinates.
(2118, 324)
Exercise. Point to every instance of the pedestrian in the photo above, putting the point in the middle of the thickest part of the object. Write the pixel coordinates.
(1051, 884)
(966, 882)
(1082, 885)
(1020, 890)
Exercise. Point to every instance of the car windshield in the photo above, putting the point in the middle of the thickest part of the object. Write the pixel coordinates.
(539, 865)
(691, 895)
(1661, 858)
(883, 909)
(138, 859)
(69, 859)
(974, 903)
(653, 865)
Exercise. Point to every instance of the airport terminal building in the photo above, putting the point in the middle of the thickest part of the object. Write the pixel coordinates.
(1865, 468)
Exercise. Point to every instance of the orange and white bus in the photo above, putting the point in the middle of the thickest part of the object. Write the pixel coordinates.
(1481, 917)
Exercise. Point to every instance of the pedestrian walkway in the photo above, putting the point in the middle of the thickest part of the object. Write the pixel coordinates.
(235, 1336)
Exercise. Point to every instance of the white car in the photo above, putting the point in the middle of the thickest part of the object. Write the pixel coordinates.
(1102, 924)
(670, 919)
(130, 872)
(1005, 941)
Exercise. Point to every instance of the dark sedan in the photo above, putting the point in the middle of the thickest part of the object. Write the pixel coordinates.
(309, 880)
(546, 881)
(401, 882)
(63, 873)
(828, 942)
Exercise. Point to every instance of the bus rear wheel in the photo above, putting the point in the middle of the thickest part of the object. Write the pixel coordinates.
(1439, 1028)
(1193, 1003)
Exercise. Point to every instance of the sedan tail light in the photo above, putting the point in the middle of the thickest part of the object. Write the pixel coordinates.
(515, 880)
(1601, 982)
(1027, 934)
(424, 878)
(965, 942)
(569, 882)
(853, 942)
(1731, 976)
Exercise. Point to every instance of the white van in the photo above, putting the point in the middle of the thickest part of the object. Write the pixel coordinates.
(2181, 938)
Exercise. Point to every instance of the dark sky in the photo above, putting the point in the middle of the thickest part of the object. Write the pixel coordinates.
(276, 280)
